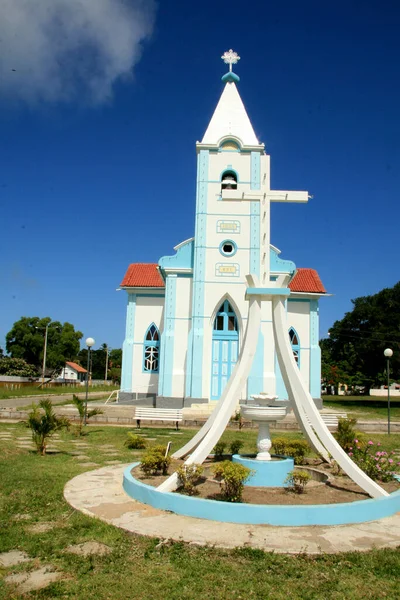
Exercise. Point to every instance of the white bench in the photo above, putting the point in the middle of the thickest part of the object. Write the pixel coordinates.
(158, 414)
(331, 420)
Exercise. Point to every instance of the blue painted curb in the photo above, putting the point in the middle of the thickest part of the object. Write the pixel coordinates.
(360, 511)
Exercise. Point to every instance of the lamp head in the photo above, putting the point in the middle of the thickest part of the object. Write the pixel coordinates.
(388, 352)
(90, 342)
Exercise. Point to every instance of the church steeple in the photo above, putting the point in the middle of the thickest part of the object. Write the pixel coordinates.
(230, 116)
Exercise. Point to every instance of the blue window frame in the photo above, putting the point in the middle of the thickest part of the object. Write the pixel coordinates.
(225, 323)
(151, 352)
(228, 248)
(295, 343)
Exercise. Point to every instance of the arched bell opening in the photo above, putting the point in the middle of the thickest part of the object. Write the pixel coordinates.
(229, 181)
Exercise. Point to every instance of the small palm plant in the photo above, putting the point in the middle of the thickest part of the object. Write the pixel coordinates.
(80, 405)
(44, 425)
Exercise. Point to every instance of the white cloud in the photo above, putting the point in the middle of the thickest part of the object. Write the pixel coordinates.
(68, 50)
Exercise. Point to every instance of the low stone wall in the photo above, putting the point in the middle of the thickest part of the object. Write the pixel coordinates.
(393, 393)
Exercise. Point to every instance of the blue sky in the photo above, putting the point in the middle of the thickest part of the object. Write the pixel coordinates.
(91, 181)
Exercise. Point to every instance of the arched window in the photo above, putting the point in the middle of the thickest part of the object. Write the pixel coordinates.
(151, 357)
(295, 343)
(225, 320)
(229, 181)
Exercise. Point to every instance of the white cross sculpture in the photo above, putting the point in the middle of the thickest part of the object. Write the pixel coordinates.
(230, 58)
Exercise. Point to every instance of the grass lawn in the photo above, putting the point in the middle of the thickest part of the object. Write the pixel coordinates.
(364, 407)
(31, 492)
(35, 390)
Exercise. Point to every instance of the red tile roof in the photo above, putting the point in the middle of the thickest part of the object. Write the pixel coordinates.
(142, 275)
(307, 280)
(147, 275)
(76, 367)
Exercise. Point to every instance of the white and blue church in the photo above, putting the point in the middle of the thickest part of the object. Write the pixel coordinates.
(187, 314)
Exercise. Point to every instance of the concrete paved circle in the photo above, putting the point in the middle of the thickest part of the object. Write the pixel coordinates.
(100, 494)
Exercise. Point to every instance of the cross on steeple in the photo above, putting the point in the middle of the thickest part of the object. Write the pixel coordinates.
(230, 58)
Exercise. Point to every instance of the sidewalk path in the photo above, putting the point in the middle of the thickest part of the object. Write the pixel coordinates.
(100, 494)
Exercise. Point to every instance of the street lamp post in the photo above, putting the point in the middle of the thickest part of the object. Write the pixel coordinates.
(44, 351)
(89, 343)
(105, 374)
(388, 352)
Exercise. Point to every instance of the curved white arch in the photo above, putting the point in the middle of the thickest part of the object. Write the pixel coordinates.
(204, 441)
(307, 413)
(228, 138)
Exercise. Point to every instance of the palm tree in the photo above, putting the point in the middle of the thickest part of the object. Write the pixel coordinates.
(44, 425)
(80, 405)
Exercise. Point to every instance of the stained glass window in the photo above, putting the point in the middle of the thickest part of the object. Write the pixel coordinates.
(294, 342)
(151, 350)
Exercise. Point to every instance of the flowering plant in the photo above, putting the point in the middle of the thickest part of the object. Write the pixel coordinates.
(377, 464)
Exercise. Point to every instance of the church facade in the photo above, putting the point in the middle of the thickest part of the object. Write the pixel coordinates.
(186, 315)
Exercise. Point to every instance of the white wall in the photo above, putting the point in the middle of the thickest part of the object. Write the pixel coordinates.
(148, 310)
(182, 325)
(298, 317)
(378, 392)
(69, 373)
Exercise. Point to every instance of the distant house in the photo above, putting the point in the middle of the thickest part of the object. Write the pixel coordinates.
(72, 372)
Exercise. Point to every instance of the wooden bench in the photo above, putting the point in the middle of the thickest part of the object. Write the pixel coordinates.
(331, 420)
(158, 414)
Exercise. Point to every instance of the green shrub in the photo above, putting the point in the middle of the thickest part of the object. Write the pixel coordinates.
(154, 461)
(219, 450)
(297, 449)
(43, 426)
(279, 446)
(235, 446)
(297, 480)
(188, 476)
(232, 478)
(160, 449)
(346, 433)
(135, 442)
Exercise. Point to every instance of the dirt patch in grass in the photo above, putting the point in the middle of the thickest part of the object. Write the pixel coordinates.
(34, 580)
(89, 548)
(12, 558)
(41, 527)
(338, 489)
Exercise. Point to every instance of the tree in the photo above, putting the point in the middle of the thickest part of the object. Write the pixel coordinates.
(43, 426)
(356, 343)
(98, 361)
(115, 363)
(16, 367)
(80, 405)
(26, 340)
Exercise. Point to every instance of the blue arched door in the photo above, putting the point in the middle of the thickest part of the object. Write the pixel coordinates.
(225, 346)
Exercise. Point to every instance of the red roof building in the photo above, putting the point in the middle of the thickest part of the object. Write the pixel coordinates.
(76, 367)
(142, 275)
(72, 372)
(307, 281)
